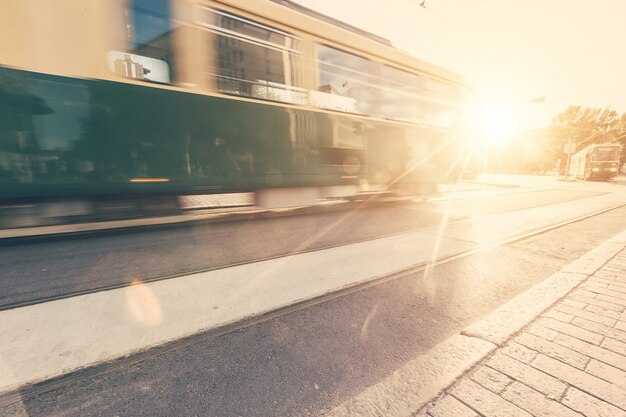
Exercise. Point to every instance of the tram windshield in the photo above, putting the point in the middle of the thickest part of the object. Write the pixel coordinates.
(605, 153)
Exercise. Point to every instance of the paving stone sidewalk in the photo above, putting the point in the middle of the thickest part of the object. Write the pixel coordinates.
(570, 361)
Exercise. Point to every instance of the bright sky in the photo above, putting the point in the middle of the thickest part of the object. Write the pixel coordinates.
(569, 51)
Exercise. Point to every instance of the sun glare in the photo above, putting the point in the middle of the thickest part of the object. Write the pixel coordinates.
(490, 123)
(497, 124)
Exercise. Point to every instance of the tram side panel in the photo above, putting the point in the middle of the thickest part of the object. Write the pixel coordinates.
(68, 136)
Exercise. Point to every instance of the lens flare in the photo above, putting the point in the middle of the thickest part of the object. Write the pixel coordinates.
(142, 305)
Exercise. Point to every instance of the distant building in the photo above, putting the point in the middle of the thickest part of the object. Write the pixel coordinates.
(526, 153)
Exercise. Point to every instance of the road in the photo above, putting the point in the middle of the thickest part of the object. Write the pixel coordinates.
(34, 270)
(307, 360)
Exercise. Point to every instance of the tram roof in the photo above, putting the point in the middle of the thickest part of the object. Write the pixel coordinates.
(326, 27)
(335, 22)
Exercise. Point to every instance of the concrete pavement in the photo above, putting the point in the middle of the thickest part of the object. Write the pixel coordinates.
(559, 349)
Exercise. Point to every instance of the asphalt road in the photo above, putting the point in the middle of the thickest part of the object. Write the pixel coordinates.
(35, 270)
(311, 360)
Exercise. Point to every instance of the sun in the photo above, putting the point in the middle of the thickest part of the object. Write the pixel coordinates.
(490, 122)
(497, 124)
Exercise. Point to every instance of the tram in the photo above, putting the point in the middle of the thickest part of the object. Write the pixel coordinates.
(108, 106)
(596, 162)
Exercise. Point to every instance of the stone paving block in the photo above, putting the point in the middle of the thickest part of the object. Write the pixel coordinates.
(485, 401)
(615, 280)
(614, 300)
(596, 302)
(603, 311)
(582, 380)
(598, 318)
(527, 374)
(607, 274)
(554, 350)
(559, 315)
(618, 287)
(621, 325)
(584, 293)
(535, 402)
(597, 352)
(571, 330)
(600, 329)
(614, 345)
(589, 285)
(542, 332)
(491, 379)
(449, 406)
(611, 268)
(519, 352)
(607, 372)
(609, 282)
(590, 406)
(573, 303)
(603, 290)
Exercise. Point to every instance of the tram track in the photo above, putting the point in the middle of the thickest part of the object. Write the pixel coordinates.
(9, 306)
(301, 249)
(24, 393)
(216, 215)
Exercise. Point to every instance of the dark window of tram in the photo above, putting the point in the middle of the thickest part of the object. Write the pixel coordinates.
(253, 59)
(151, 30)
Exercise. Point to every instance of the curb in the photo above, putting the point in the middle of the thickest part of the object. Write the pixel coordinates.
(411, 387)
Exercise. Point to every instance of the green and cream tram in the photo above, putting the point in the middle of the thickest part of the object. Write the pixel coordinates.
(144, 101)
(596, 162)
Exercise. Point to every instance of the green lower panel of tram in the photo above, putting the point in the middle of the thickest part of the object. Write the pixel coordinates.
(68, 137)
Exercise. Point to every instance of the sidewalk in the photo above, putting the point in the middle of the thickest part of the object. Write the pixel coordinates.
(556, 350)
(571, 361)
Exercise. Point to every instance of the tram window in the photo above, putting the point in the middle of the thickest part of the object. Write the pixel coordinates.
(438, 114)
(400, 94)
(252, 70)
(245, 28)
(151, 51)
(253, 59)
(345, 82)
(605, 154)
(439, 90)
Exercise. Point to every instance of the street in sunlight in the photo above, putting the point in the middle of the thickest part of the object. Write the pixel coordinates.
(293, 208)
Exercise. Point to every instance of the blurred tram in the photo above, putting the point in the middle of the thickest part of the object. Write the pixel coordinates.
(596, 162)
(114, 107)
